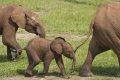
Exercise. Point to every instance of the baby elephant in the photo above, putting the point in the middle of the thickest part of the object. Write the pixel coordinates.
(43, 50)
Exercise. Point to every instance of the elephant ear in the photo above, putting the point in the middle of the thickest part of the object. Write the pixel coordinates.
(56, 47)
(18, 17)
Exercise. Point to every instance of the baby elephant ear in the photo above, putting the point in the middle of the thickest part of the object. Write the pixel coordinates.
(56, 47)
(18, 17)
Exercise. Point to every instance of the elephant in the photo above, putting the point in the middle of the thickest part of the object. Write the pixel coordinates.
(105, 27)
(44, 50)
(13, 17)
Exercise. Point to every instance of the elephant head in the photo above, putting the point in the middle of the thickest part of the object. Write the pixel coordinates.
(27, 20)
(60, 46)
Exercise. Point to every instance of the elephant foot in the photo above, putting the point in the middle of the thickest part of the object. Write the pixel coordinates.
(41, 73)
(28, 74)
(86, 74)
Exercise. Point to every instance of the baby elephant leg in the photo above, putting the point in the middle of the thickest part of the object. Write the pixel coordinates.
(28, 72)
(59, 61)
(32, 63)
(46, 67)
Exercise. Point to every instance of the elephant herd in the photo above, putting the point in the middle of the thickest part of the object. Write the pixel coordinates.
(105, 29)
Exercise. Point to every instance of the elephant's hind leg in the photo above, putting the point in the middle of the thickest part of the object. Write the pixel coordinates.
(33, 61)
(28, 72)
(46, 67)
(116, 46)
(93, 50)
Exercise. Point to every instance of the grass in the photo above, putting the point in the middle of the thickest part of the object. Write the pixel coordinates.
(61, 16)
(105, 64)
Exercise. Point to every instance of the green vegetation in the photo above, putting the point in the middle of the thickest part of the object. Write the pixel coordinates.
(61, 16)
(105, 64)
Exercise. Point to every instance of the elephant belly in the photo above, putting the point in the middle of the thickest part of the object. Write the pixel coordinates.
(106, 38)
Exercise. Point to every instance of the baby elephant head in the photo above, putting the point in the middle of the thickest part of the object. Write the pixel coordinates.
(60, 46)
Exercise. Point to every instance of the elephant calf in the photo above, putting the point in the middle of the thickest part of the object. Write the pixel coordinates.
(44, 50)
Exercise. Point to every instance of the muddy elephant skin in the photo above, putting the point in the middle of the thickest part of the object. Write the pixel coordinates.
(13, 17)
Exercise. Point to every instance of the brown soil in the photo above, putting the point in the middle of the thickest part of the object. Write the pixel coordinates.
(28, 36)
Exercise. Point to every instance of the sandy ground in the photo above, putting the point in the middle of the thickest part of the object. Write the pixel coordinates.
(28, 36)
(60, 78)
(39, 78)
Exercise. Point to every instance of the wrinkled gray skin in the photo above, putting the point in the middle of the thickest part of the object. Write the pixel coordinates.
(43, 50)
(106, 35)
(13, 17)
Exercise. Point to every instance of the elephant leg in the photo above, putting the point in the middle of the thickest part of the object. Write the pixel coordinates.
(115, 44)
(28, 72)
(9, 55)
(117, 52)
(59, 61)
(46, 67)
(33, 61)
(93, 50)
(118, 55)
(12, 44)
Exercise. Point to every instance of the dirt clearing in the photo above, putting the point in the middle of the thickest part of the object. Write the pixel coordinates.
(59, 78)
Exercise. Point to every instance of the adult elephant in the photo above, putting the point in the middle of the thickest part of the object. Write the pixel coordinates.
(106, 34)
(13, 17)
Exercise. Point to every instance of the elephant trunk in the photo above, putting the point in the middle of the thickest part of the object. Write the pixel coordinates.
(41, 31)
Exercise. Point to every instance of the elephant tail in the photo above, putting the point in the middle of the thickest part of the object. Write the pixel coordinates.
(88, 35)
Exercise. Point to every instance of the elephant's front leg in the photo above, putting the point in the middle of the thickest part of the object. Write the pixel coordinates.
(9, 39)
(9, 55)
(12, 53)
(12, 46)
(59, 61)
